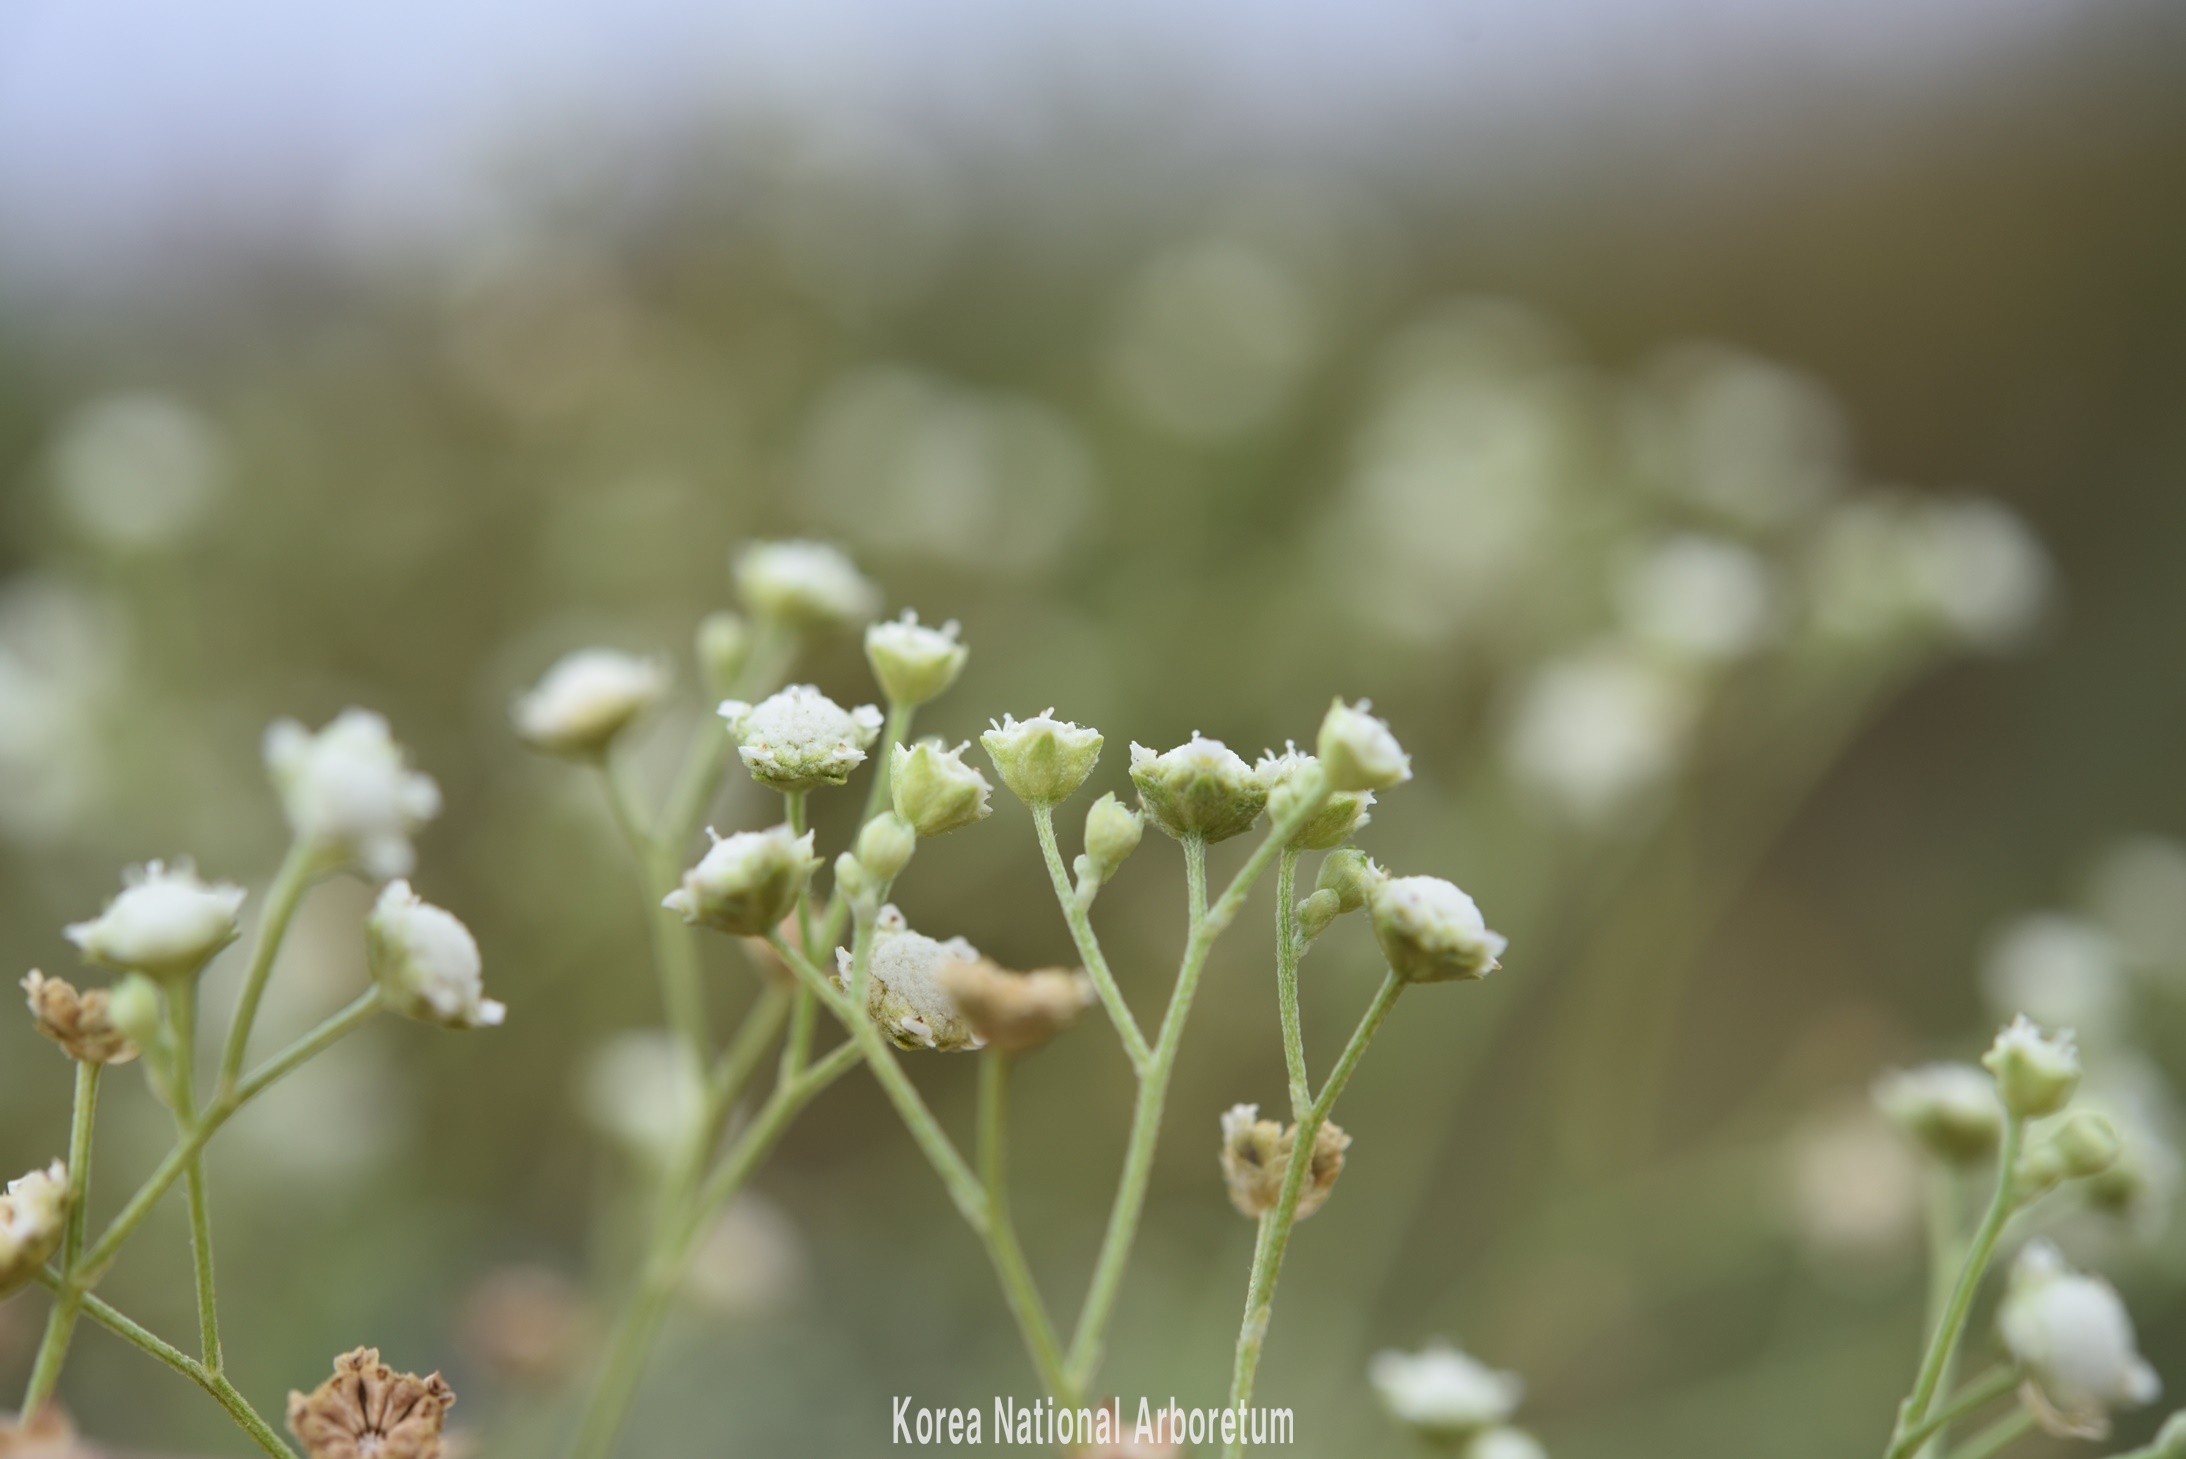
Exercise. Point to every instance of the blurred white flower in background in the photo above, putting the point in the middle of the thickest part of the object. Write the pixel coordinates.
(1593, 731)
(2129, 1090)
(2061, 971)
(639, 1089)
(1753, 441)
(1443, 1394)
(2138, 893)
(138, 471)
(1852, 1191)
(62, 662)
(337, 1123)
(751, 1264)
(1699, 597)
(905, 462)
(1966, 568)
(1211, 340)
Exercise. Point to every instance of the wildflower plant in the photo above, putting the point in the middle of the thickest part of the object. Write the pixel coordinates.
(353, 803)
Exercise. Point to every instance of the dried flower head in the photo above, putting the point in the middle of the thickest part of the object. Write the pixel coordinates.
(369, 1411)
(81, 1023)
(1017, 1012)
(1256, 1151)
(800, 738)
(903, 993)
(586, 699)
(32, 1215)
(165, 924)
(349, 791)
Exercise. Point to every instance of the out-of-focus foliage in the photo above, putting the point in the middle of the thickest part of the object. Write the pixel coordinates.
(1176, 463)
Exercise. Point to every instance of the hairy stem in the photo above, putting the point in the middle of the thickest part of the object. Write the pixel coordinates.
(1018, 1286)
(1268, 1263)
(1089, 946)
(1978, 1394)
(299, 868)
(1287, 950)
(182, 1025)
(1997, 1437)
(45, 1371)
(675, 948)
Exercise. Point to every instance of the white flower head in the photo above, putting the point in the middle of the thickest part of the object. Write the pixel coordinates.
(349, 791)
(166, 923)
(426, 962)
(587, 698)
(805, 584)
(1431, 931)
(33, 1214)
(2137, 891)
(2062, 972)
(800, 738)
(1358, 752)
(1851, 1189)
(2073, 1336)
(934, 791)
(1593, 732)
(1505, 1443)
(1442, 1394)
(914, 663)
(1951, 1109)
(904, 993)
(2036, 1072)
(1287, 777)
(1700, 598)
(1967, 569)
(747, 883)
(1042, 759)
(1200, 788)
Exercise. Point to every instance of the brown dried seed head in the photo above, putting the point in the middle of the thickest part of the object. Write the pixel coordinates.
(1255, 1153)
(1016, 1012)
(79, 1022)
(369, 1411)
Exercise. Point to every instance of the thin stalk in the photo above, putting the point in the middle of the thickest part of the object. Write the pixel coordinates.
(1018, 1286)
(793, 812)
(1268, 1265)
(45, 1372)
(1978, 1394)
(299, 868)
(1943, 1257)
(1978, 1255)
(896, 732)
(707, 760)
(182, 1024)
(1089, 946)
(1206, 924)
(1287, 950)
(219, 1112)
(1997, 1437)
(675, 950)
(221, 1390)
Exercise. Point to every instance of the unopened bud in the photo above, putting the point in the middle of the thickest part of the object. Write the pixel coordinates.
(1358, 752)
(1317, 913)
(724, 647)
(2087, 1145)
(1112, 832)
(134, 1008)
(1951, 1109)
(914, 663)
(1351, 876)
(935, 791)
(886, 844)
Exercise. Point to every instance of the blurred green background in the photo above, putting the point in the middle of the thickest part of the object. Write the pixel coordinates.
(1188, 436)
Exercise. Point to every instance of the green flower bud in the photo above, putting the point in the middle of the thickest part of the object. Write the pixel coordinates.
(1350, 875)
(1290, 778)
(804, 584)
(860, 888)
(886, 844)
(724, 647)
(1951, 1109)
(913, 663)
(1317, 913)
(1112, 832)
(1200, 788)
(1431, 932)
(1358, 751)
(934, 790)
(800, 738)
(2086, 1144)
(2036, 1073)
(135, 1009)
(747, 883)
(1043, 759)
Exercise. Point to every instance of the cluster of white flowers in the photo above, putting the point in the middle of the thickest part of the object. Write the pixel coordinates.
(165, 924)
(350, 792)
(800, 738)
(1454, 1401)
(32, 1215)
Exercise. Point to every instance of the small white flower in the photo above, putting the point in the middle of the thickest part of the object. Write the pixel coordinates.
(426, 962)
(1433, 932)
(1357, 750)
(904, 993)
(1699, 598)
(912, 662)
(1951, 1109)
(1042, 759)
(800, 738)
(808, 584)
(2036, 1072)
(1200, 788)
(139, 471)
(166, 923)
(587, 698)
(1851, 1189)
(1505, 1444)
(348, 791)
(746, 883)
(1986, 573)
(2071, 1333)
(32, 1216)
(1593, 732)
(1442, 1393)
(641, 1089)
(2062, 972)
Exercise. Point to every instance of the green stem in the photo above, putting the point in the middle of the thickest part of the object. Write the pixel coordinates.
(1089, 946)
(182, 1024)
(675, 948)
(1943, 1257)
(1978, 1394)
(1268, 1264)
(704, 764)
(1978, 1255)
(45, 1372)
(1018, 1286)
(219, 1112)
(793, 812)
(1997, 1437)
(896, 732)
(1287, 949)
(299, 868)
